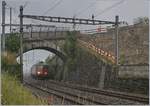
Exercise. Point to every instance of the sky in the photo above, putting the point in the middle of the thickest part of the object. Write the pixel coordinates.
(127, 10)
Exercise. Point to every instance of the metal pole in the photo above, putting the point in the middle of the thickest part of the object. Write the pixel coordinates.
(3, 25)
(116, 40)
(21, 41)
(10, 18)
(74, 25)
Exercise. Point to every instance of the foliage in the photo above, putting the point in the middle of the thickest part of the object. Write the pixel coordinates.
(70, 45)
(60, 70)
(13, 93)
(71, 52)
(122, 59)
(55, 67)
(10, 65)
(13, 42)
(9, 62)
(141, 20)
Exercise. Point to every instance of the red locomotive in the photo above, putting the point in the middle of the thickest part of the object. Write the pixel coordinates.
(40, 71)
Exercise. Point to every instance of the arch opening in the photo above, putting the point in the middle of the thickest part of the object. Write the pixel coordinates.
(35, 55)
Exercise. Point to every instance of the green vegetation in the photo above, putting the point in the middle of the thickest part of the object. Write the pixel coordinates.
(10, 65)
(60, 70)
(13, 93)
(122, 59)
(11, 86)
(8, 60)
(71, 52)
(141, 20)
(13, 43)
(55, 67)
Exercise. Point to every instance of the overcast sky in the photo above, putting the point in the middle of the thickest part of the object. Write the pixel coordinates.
(102, 10)
(126, 9)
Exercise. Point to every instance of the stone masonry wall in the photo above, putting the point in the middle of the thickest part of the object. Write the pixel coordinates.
(133, 43)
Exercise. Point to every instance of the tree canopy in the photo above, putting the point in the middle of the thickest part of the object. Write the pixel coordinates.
(141, 20)
(13, 42)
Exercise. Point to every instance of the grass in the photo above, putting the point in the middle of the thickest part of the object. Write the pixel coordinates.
(13, 93)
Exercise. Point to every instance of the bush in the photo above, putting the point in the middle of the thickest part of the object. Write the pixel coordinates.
(13, 93)
(71, 52)
(10, 65)
(13, 42)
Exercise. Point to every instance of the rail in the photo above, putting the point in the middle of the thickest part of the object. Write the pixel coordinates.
(78, 94)
(122, 95)
(75, 98)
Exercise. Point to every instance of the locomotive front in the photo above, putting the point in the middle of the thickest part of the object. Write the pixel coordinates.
(40, 71)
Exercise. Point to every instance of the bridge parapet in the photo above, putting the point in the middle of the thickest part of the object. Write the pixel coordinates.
(40, 36)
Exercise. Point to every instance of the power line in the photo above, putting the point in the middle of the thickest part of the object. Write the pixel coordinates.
(85, 9)
(50, 9)
(109, 8)
(15, 15)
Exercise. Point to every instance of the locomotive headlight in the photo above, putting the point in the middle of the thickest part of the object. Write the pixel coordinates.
(45, 73)
(38, 72)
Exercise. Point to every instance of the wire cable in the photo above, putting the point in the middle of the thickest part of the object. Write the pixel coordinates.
(15, 15)
(49, 8)
(85, 9)
(53, 7)
(109, 8)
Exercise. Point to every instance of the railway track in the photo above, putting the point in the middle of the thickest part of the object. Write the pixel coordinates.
(80, 100)
(86, 95)
(138, 98)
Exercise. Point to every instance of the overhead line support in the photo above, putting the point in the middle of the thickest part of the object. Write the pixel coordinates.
(3, 25)
(68, 20)
(29, 25)
(10, 19)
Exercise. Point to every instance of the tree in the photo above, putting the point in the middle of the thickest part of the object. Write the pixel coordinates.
(70, 50)
(10, 65)
(141, 20)
(13, 42)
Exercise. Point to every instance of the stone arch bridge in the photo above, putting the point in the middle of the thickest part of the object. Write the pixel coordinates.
(52, 38)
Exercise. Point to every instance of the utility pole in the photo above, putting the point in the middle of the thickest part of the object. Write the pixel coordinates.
(10, 18)
(116, 39)
(74, 25)
(3, 25)
(21, 41)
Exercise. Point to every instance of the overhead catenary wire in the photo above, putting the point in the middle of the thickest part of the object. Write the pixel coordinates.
(50, 7)
(109, 8)
(53, 7)
(14, 12)
(85, 9)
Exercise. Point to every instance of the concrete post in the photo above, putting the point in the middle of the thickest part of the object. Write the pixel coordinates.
(116, 40)
(10, 18)
(3, 25)
(21, 41)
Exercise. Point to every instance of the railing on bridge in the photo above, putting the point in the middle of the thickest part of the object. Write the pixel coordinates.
(108, 56)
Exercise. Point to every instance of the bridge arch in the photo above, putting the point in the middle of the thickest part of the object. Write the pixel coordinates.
(58, 53)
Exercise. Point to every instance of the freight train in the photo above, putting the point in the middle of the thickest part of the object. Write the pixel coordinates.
(40, 71)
